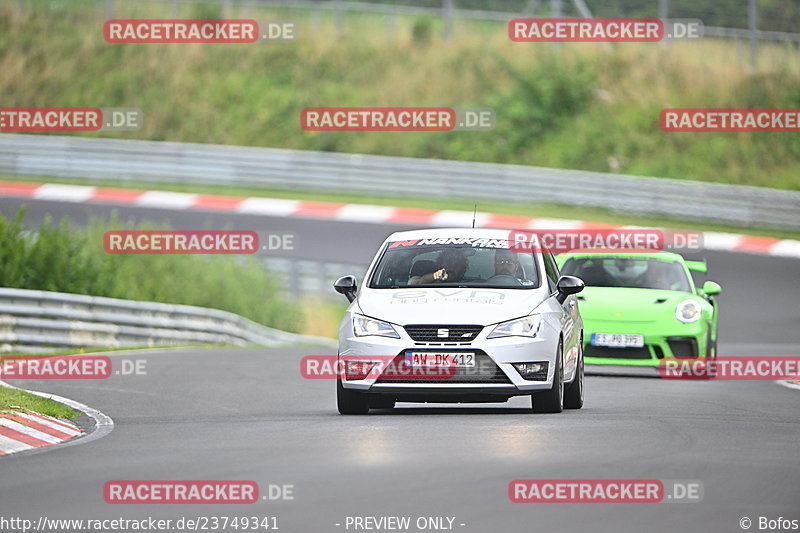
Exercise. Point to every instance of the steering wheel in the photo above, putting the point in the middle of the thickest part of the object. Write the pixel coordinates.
(504, 279)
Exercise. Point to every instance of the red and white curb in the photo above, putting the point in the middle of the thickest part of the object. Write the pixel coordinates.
(22, 430)
(363, 213)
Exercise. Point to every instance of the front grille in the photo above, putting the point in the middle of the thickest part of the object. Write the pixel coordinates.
(485, 371)
(682, 346)
(616, 353)
(453, 333)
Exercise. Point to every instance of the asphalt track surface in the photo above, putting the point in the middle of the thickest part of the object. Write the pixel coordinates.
(248, 414)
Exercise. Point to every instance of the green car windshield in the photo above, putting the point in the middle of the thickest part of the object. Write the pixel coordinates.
(637, 273)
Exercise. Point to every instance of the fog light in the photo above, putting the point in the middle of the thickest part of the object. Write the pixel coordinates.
(532, 371)
(354, 370)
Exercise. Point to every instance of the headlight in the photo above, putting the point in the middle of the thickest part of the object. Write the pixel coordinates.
(688, 311)
(520, 327)
(364, 326)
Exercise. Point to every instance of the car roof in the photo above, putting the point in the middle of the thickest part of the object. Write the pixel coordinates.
(439, 233)
(654, 254)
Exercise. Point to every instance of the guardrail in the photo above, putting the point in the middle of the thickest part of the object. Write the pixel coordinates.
(451, 10)
(32, 321)
(311, 279)
(206, 164)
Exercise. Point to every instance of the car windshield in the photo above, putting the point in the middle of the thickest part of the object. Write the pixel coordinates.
(640, 273)
(477, 263)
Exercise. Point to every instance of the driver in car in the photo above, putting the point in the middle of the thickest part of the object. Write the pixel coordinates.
(452, 267)
(505, 263)
(659, 276)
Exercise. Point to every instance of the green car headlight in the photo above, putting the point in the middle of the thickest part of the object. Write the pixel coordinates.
(364, 326)
(519, 327)
(688, 311)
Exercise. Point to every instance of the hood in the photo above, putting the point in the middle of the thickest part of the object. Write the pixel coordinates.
(449, 305)
(623, 304)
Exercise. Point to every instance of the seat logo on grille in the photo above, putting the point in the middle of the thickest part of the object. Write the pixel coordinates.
(442, 333)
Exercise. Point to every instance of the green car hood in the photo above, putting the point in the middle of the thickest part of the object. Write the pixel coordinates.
(635, 305)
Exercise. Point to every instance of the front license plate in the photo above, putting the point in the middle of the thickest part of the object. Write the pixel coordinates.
(617, 340)
(440, 360)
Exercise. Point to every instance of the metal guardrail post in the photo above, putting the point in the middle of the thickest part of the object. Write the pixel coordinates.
(447, 13)
(338, 17)
(752, 22)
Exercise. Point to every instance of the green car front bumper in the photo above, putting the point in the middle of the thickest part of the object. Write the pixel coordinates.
(683, 340)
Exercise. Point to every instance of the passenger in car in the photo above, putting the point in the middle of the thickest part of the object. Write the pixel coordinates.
(452, 267)
(506, 263)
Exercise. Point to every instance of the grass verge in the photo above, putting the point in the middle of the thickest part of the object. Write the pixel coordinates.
(18, 398)
(579, 105)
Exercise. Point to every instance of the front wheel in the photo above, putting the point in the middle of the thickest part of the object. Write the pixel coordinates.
(573, 393)
(552, 401)
(711, 354)
(351, 402)
(711, 344)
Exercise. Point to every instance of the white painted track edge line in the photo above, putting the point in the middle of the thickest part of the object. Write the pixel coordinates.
(788, 385)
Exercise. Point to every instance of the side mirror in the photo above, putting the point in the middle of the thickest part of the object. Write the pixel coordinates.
(710, 288)
(567, 285)
(346, 285)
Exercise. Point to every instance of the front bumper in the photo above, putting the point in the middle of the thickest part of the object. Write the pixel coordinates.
(500, 353)
(688, 341)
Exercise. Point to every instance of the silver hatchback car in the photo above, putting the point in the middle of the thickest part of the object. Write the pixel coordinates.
(459, 315)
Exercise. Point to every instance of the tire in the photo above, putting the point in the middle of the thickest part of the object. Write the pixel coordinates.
(382, 402)
(711, 345)
(711, 353)
(573, 393)
(351, 402)
(552, 401)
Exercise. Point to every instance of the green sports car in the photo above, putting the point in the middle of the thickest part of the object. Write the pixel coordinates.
(639, 308)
